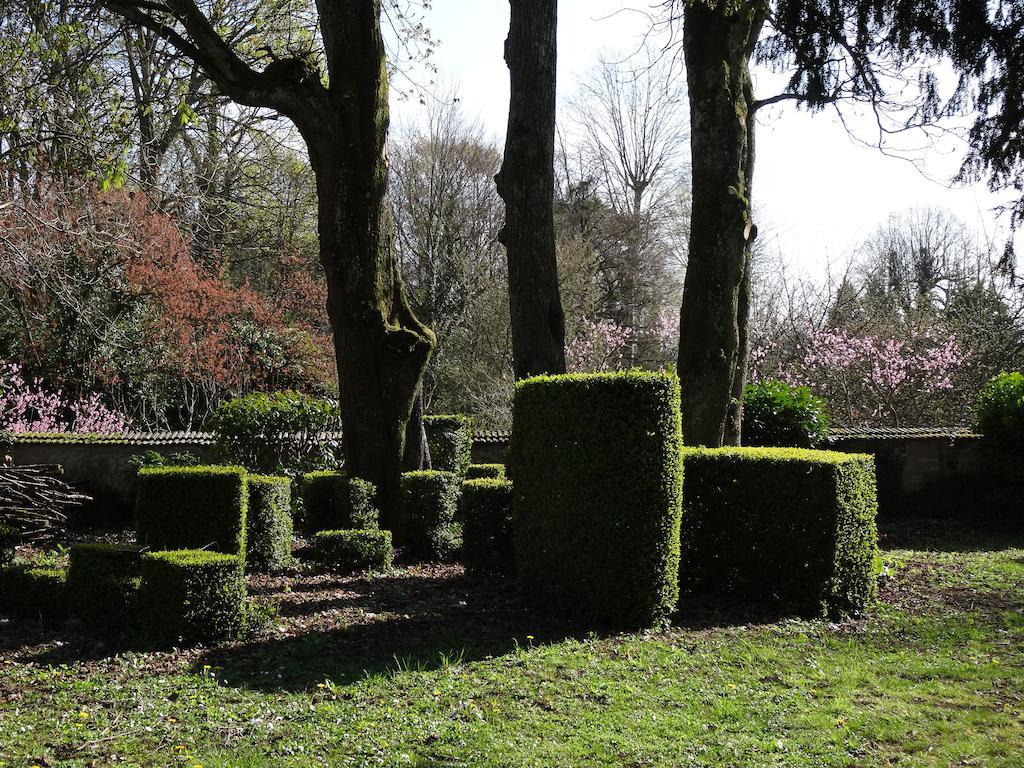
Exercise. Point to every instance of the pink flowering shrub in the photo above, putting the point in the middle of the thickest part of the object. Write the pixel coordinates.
(871, 379)
(600, 345)
(27, 406)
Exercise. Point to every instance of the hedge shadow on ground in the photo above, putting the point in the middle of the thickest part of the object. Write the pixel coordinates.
(949, 535)
(345, 629)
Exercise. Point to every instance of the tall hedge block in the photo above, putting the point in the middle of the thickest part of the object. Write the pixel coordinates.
(335, 501)
(450, 438)
(269, 521)
(596, 500)
(102, 582)
(191, 595)
(426, 521)
(784, 524)
(486, 506)
(192, 508)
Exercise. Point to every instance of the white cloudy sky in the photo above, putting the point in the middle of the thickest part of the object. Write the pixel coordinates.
(818, 192)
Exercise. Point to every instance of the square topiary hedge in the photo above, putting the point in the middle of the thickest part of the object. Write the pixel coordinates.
(9, 540)
(485, 471)
(784, 524)
(426, 519)
(487, 526)
(102, 582)
(354, 550)
(335, 501)
(33, 591)
(191, 595)
(450, 438)
(269, 520)
(594, 459)
(192, 508)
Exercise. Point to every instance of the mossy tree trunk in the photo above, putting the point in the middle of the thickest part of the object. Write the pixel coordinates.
(526, 183)
(381, 347)
(718, 42)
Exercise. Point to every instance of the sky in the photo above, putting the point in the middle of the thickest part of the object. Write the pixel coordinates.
(818, 193)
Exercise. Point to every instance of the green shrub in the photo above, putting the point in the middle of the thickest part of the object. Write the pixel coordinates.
(334, 501)
(353, 550)
(487, 526)
(784, 524)
(596, 500)
(192, 508)
(9, 539)
(33, 591)
(269, 520)
(450, 438)
(426, 520)
(157, 459)
(276, 433)
(485, 471)
(777, 414)
(191, 595)
(1000, 414)
(102, 582)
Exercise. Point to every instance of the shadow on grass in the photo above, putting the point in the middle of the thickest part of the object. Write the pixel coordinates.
(346, 629)
(950, 534)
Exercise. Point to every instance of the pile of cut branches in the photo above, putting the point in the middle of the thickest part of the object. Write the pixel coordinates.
(35, 501)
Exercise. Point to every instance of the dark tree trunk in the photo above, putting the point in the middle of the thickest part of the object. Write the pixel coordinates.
(526, 183)
(713, 318)
(381, 347)
(417, 450)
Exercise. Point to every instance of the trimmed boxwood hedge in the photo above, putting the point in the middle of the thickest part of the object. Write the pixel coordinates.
(9, 539)
(488, 471)
(426, 521)
(192, 508)
(596, 500)
(487, 526)
(450, 438)
(191, 595)
(33, 591)
(785, 524)
(102, 582)
(354, 550)
(335, 501)
(269, 519)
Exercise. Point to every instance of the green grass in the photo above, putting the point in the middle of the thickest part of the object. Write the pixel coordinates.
(934, 676)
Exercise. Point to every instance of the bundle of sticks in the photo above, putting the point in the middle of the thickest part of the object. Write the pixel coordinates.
(35, 500)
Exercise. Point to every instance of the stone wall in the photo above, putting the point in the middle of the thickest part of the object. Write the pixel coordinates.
(935, 472)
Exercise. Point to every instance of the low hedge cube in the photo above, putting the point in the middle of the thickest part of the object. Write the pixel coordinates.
(450, 439)
(33, 591)
(102, 583)
(485, 471)
(191, 595)
(426, 520)
(793, 526)
(358, 550)
(9, 540)
(269, 520)
(594, 459)
(192, 508)
(335, 501)
(487, 526)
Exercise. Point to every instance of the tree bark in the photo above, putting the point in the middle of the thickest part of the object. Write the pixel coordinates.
(718, 42)
(526, 182)
(381, 347)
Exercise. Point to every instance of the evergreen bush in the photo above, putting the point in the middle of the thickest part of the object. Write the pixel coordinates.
(793, 526)
(487, 526)
(777, 414)
(269, 520)
(426, 521)
(353, 550)
(594, 459)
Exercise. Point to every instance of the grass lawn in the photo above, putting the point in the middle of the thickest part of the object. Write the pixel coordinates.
(425, 667)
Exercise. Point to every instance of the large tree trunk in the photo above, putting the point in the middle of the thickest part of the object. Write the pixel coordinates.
(718, 45)
(381, 347)
(526, 183)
